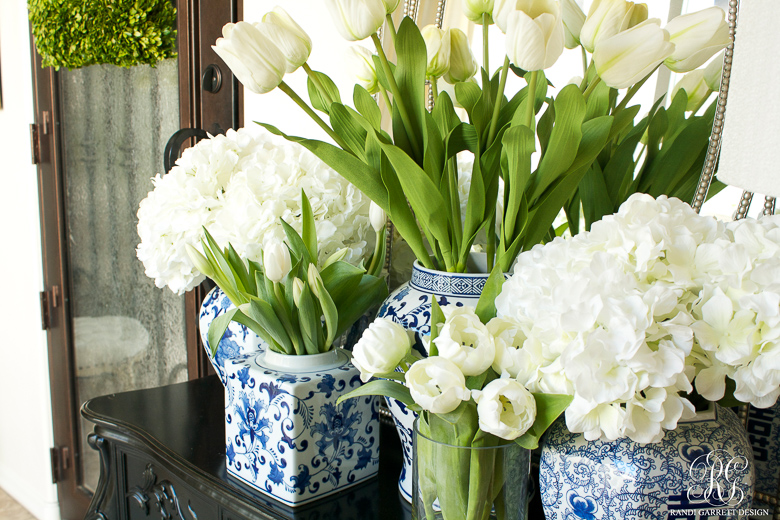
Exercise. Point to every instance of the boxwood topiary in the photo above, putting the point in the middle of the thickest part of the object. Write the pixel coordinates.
(77, 33)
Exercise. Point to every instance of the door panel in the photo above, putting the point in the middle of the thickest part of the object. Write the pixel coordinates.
(127, 333)
(101, 132)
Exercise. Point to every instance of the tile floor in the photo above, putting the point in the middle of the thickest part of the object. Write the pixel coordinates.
(11, 510)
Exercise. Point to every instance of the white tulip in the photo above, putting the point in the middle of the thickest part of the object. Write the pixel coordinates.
(474, 9)
(509, 339)
(505, 408)
(360, 63)
(606, 18)
(381, 348)
(465, 341)
(437, 46)
(535, 38)
(377, 217)
(696, 38)
(463, 65)
(533, 8)
(357, 19)
(629, 56)
(252, 56)
(573, 19)
(276, 260)
(199, 261)
(695, 88)
(437, 385)
(391, 5)
(291, 39)
(713, 72)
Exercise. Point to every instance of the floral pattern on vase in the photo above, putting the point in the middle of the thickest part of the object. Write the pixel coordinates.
(410, 305)
(763, 428)
(237, 341)
(613, 480)
(287, 437)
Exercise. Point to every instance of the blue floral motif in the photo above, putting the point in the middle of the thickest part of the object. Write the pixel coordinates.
(244, 378)
(614, 480)
(327, 385)
(337, 426)
(237, 340)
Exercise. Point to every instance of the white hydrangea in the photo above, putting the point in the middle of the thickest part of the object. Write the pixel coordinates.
(652, 301)
(238, 186)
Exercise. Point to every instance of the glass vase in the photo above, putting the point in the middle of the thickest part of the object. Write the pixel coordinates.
(469, 483)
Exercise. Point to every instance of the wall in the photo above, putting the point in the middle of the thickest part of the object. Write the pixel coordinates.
(25, 409)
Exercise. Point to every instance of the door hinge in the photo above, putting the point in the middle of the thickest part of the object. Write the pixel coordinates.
(35, 144)
(45, 314)
(60, 462)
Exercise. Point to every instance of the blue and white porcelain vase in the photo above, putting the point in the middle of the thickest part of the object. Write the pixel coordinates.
(704, 465)
(285, 434)
(237, 341)
(410, 305)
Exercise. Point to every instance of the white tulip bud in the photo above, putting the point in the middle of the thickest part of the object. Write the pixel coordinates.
(381, 348)
(535, 38)
(276, 260)
(377, 217)
(391, 5)
(360, 62)
(437, 385)
(463, 65)
(505, 408)
(199, 261)
(291, 39)
(314, 276)
(607, 18)
(357, 19)
(252, 56)
(338, 256)
(437, 46)
(713, 72)
(573, 18)
(629, 56)
(474, 9)
(298, 287)
(696, 38)
(695, 88)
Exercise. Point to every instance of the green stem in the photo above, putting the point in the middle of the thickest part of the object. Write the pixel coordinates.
(497, 104)
(485, 54)
(490, 249)
(380, 244)
(318, 84)
(434, 89)
(591, 88)
(284, 87)
(386, 98)
(584, 63)
(530, 114)
(457, 226)
(391, 28)
(399, 102)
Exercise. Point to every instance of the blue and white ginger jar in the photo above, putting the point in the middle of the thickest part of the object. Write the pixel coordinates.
(285, 434)
(703, 469)
(410, 305)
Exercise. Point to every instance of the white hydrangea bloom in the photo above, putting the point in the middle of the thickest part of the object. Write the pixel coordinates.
(238, 186)
(653, 301)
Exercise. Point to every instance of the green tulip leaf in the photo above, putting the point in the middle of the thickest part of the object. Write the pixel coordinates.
(370, 292)
(365, 104)
(309, 320)
(486, 305)
(391, 389)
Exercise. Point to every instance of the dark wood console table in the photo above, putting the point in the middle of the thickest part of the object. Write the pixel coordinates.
(162, 452)
(162, 455)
